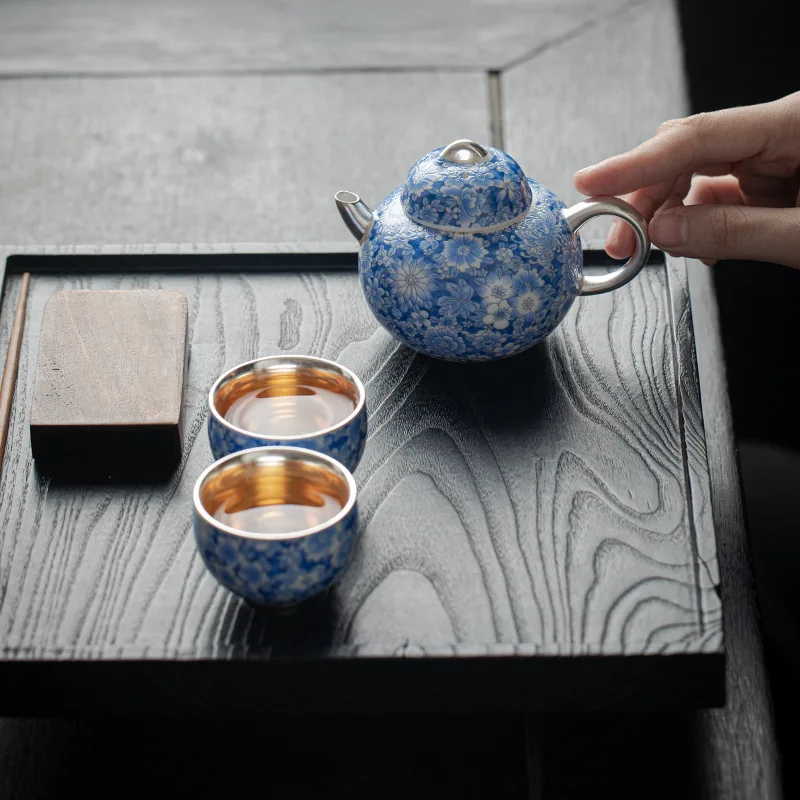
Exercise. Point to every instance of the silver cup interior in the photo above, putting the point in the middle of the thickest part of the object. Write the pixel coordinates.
(273, 478)
(281, 376)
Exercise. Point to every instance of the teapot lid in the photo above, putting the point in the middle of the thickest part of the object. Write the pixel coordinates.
(466, 187)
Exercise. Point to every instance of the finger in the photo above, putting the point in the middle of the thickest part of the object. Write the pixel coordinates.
(710, 191)
(648, 202)
(765, 190)
(722, 231)
(686, 145)
(618, 241)
(621, 241)
(679, 192)
(715, 191)
(714, 170)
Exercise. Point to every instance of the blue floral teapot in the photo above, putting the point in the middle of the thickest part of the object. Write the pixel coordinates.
(472, 261)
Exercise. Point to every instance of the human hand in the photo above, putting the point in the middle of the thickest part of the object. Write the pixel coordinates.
(717, 185)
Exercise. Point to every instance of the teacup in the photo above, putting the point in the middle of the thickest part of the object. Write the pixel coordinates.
(275, 525)
(293, 401)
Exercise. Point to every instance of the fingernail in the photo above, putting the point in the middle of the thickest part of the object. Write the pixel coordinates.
(585, 170)
(670, 229)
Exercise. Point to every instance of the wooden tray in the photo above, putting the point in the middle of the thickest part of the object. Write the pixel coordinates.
(535, 533)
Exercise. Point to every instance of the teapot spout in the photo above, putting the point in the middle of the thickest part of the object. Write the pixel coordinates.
(357, 215)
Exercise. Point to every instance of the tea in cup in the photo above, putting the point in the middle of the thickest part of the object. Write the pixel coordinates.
(294, 401)
(275, 525)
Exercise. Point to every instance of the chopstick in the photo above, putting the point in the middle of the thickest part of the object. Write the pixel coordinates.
(12, 363)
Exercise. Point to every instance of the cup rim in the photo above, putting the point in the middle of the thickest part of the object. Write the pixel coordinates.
(276, 450)
(297, 437)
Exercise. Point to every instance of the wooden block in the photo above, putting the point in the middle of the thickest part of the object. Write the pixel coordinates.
(109, 384)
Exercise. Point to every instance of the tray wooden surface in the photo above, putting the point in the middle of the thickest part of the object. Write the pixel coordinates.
(535, 533)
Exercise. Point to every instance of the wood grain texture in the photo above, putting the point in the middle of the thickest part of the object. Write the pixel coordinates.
(92, 36)
(215, 159)
(534, 507)
(109, 383)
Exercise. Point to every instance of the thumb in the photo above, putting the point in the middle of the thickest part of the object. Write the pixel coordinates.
(712, 232)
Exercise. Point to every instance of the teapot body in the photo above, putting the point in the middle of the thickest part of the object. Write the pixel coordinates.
(473, 295)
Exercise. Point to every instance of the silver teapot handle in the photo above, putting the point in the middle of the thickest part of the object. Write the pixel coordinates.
(582, 212)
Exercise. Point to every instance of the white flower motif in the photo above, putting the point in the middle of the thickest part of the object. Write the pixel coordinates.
(488, 341)
(506, 192)
(469, 203)
(482, 175)
(431, 207)
(495, 288)
(527, 305)
(464, 252)
(445, 342)
(430, 243)
(413, 281)
(423, 176)
(544, 232)
(504, 254)
(459, 302)
(498, 315)
(420, 319)
(401, 249)
(528, 302)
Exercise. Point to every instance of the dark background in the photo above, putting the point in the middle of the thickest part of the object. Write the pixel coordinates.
(740, 54)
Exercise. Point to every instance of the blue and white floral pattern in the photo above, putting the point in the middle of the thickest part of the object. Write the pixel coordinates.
(466, 196)
(277, 572)
(345, 443)
(470, 296)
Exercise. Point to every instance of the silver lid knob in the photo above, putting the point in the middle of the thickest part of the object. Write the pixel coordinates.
(464, 151)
